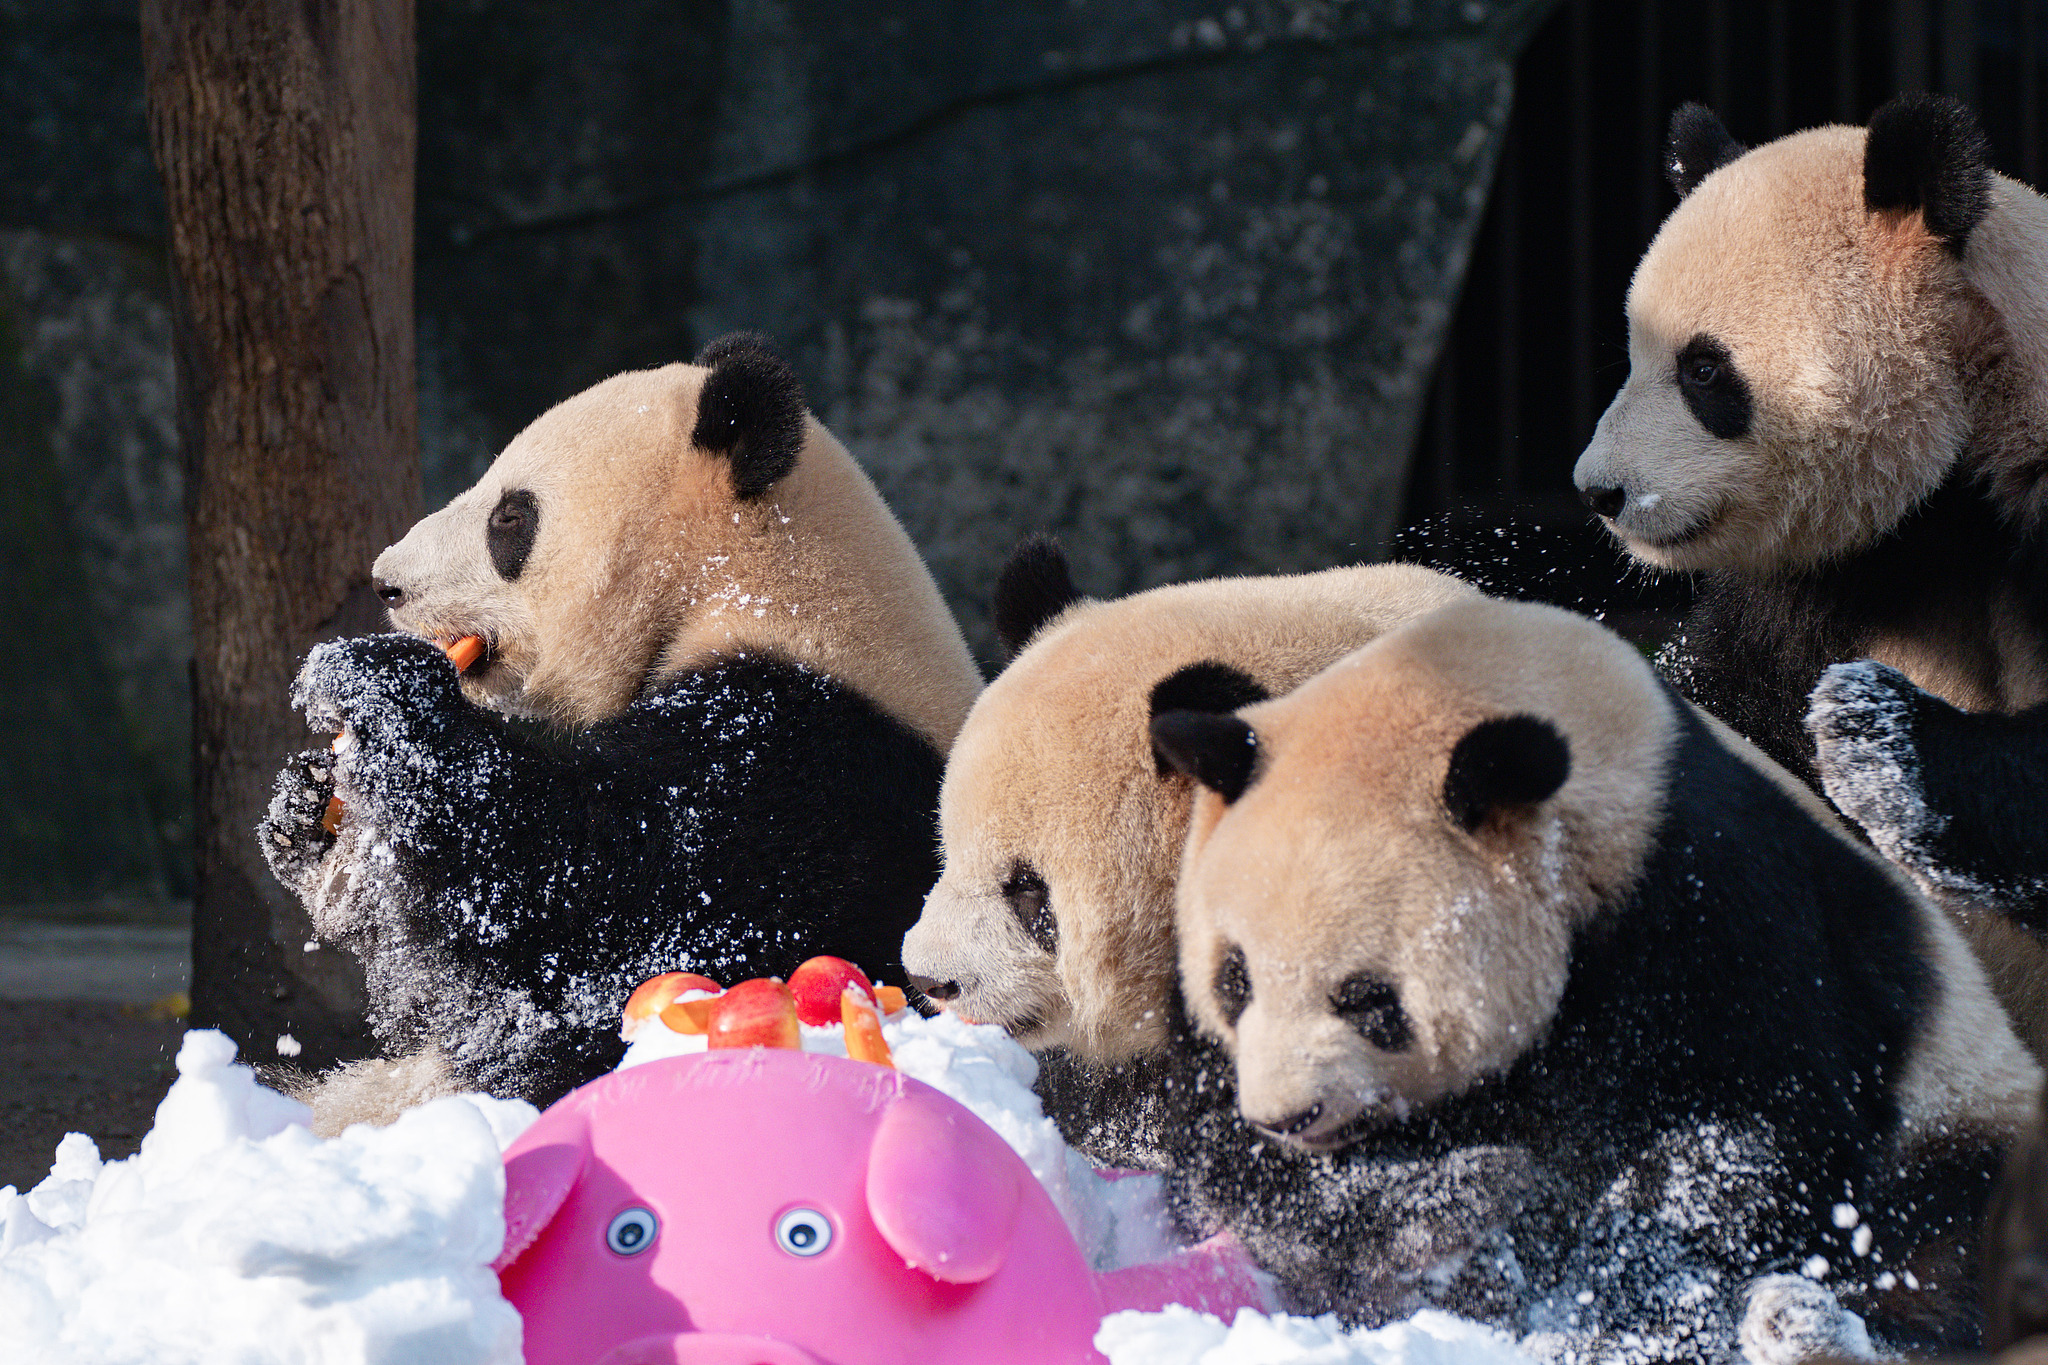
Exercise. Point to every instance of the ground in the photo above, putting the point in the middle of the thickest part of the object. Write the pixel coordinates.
(81, 1048)
(77, 1066)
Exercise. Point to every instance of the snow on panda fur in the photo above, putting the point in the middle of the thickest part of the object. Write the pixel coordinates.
(1487, 921)
(1060, 827)
(751, 682)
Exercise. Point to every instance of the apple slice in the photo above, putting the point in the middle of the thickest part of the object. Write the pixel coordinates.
(864, 1040)
(692, 1015)
(655, 994)
(818, 984)
(757, 1013)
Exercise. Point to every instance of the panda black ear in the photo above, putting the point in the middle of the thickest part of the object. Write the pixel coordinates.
(1206, 686)
(1507, 761)
(1217, 751)
(1928, 152)
(751, 411)
(1034, 586)
(1698, 146)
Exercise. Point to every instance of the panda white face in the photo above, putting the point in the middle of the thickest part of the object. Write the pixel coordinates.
(1385, 870)
(1053, 914)
(553, 557)
(1792, 391)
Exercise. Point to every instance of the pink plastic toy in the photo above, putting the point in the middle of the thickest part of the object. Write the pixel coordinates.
(769, 1207)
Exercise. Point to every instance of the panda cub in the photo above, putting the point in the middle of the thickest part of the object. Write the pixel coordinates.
(1486, 907)
(746, 683)
(1060, 826)
(1837, 413)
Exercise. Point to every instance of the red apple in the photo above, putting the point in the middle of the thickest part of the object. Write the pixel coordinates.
(757, 1013)
(655, 994)
(818, 984)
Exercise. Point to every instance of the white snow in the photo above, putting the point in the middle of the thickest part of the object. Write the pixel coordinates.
(236, 1237)
(1181, 1336)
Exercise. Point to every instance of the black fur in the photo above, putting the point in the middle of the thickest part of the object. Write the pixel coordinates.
(1219, 752)
(1954, 796)
(1753, 647)
(734, 822)
(1373, 1007)
(1713, 388)
(1206, 686)
(1030, 901)
(1507, 761)
(1927, 152)
(1698, 146)
(1034, 586)
(751, 411)
(1728, 1048)
(510, 532)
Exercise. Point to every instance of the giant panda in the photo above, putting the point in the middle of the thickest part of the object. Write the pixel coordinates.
(1837, 414)
(1060, 828)
(745, 684)
(1487, 921)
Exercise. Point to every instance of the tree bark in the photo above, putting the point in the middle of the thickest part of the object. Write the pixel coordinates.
(284, 132)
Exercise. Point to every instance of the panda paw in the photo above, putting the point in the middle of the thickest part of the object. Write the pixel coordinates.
(293, 832)
(386, 689)
(1861, 716)
(1788, 1319)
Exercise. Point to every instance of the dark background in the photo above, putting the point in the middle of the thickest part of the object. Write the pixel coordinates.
(1170, 279)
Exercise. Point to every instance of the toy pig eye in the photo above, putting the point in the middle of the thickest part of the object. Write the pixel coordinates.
(803, 1232)
(632, 1232)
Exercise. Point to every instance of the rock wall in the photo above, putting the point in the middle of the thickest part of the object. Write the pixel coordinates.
(1164, 277)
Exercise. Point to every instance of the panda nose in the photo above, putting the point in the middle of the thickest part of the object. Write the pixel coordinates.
(932, 988)
(1608, 502)
(390, 592)
(1292, 1124)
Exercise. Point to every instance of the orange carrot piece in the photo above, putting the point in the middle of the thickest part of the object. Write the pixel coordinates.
(890, 998)
(464, 652)
(330, 819)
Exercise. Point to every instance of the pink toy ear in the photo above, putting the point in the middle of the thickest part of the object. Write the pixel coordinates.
(942, 1188)
(537, 1180)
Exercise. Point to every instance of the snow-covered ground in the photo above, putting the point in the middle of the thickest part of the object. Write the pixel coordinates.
(236, 1237)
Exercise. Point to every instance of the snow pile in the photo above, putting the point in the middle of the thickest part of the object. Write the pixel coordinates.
(1117, 1222)
(238, 1236)
(1181, 1336)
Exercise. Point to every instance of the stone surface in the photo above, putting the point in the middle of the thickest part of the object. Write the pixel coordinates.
(1163, 277)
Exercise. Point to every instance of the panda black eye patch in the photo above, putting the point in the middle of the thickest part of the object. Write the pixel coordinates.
(1713, 388)
(1373, 1007)
(509, 534)
(1031, 902)
(1233, 984)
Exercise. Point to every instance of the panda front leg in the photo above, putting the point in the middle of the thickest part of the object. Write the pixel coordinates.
(498, 890)
(1958, 799)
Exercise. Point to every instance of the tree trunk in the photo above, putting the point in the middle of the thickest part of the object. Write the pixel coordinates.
(284, 132)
